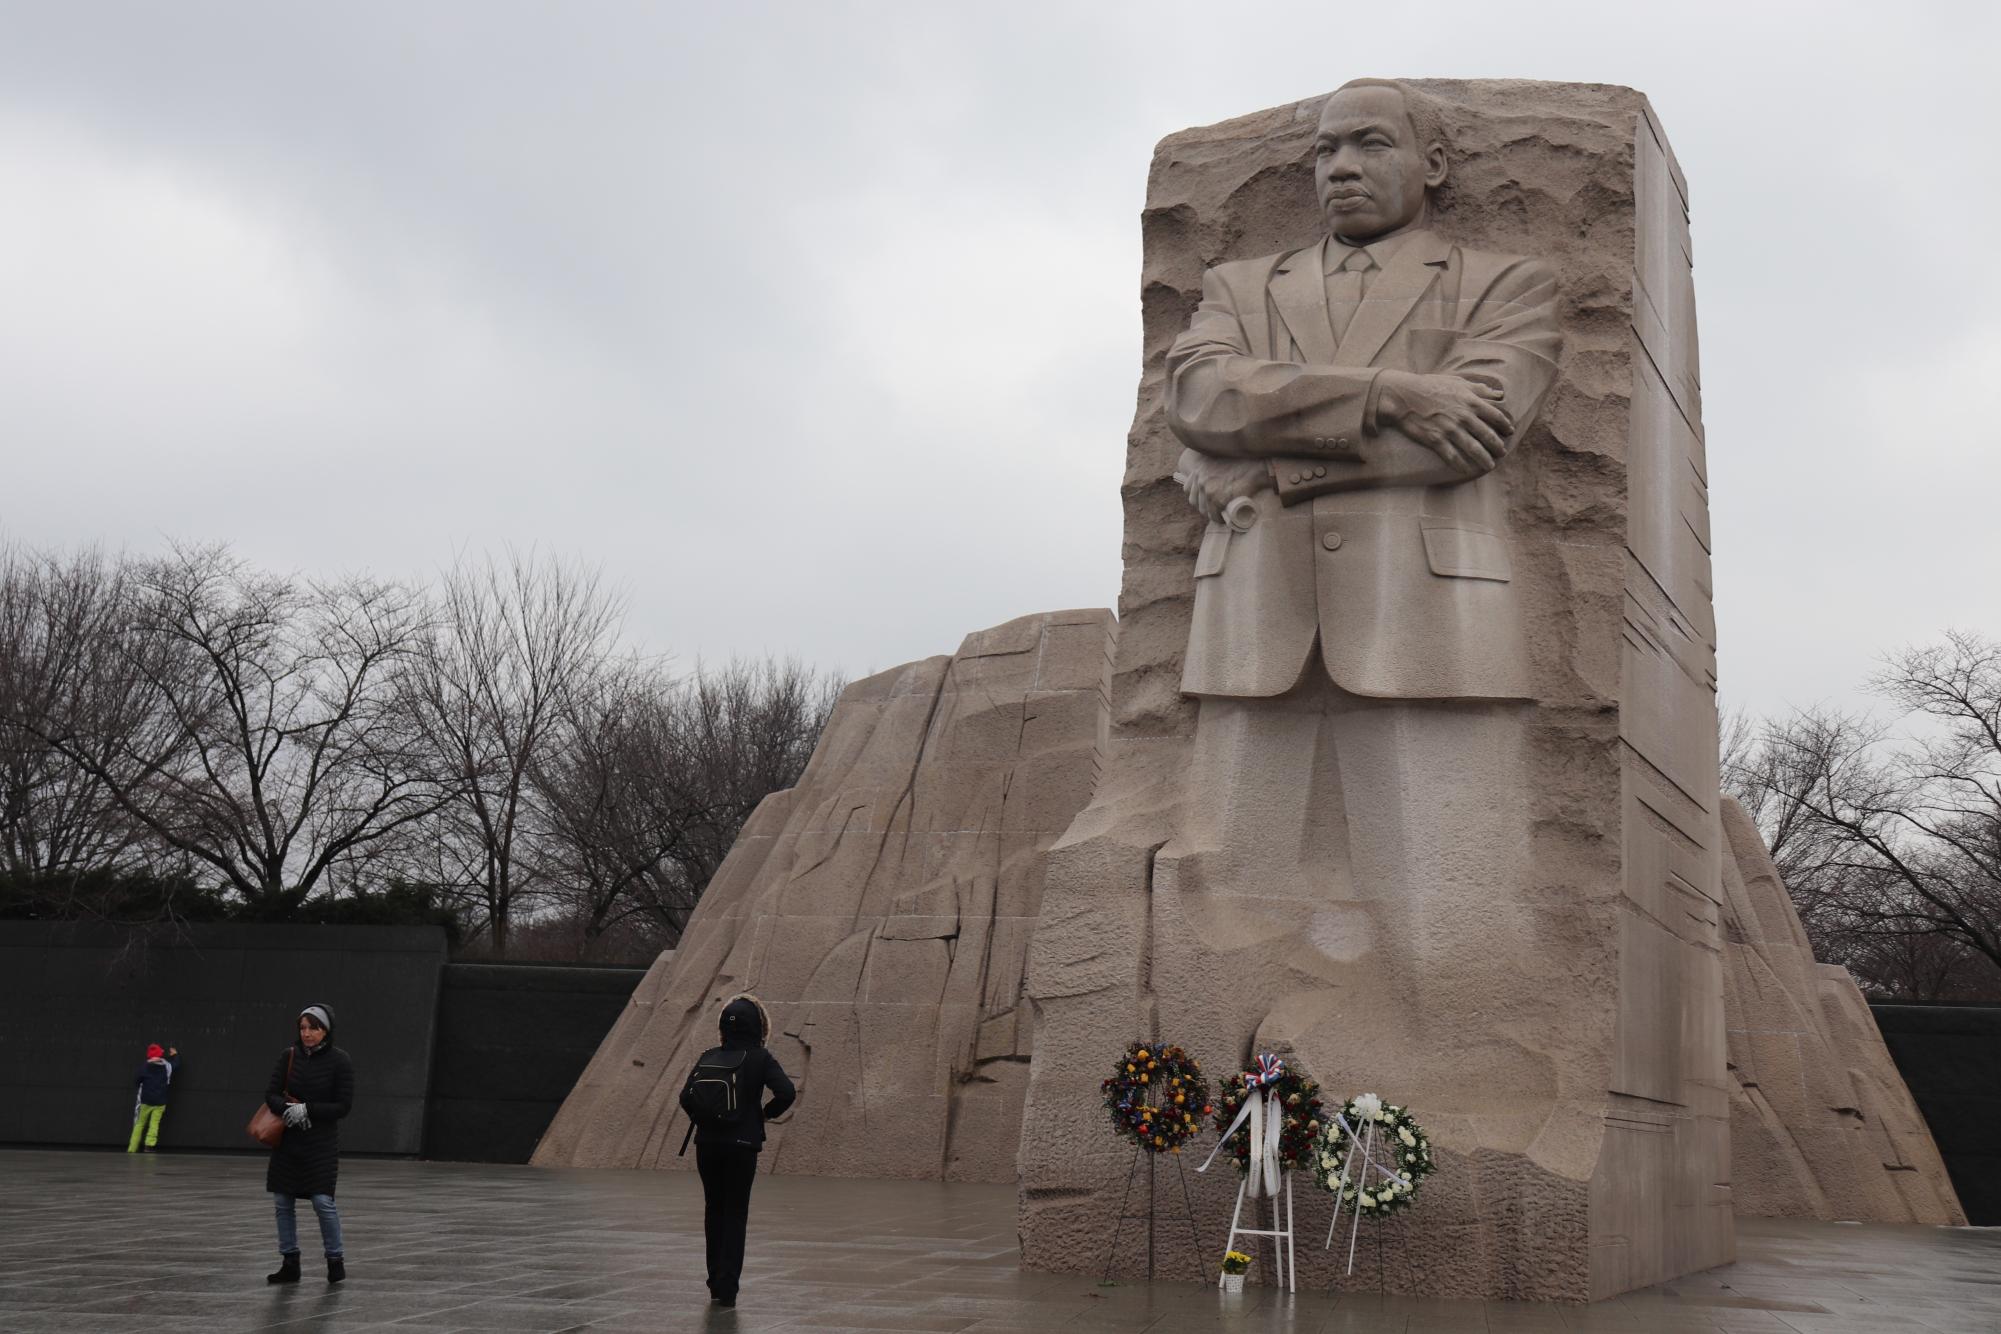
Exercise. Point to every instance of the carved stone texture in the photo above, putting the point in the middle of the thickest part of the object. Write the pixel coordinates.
(1821, 1123)
(882, 911)
(1505, 915)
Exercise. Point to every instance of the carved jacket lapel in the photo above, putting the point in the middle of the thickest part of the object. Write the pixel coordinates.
(1299, 290)
(1409, 274)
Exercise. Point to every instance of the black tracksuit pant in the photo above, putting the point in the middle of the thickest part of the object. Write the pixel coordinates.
(728, 1172)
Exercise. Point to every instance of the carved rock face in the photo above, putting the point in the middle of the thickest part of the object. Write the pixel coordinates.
(1368, 166)
(1821, 1125)
(882, 911)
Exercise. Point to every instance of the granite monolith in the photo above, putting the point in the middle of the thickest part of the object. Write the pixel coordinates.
(1471, 861)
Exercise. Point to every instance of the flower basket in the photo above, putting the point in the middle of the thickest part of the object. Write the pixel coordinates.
(1233, 1282)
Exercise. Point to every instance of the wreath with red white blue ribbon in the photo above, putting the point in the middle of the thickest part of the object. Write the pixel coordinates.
(1298, 1099)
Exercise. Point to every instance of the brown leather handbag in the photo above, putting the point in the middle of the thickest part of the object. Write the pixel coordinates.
(266, 1126)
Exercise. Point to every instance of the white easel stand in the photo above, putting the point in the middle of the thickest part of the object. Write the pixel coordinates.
(1288, 1272)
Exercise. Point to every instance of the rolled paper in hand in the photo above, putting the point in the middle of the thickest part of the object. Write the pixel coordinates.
(1241, 513)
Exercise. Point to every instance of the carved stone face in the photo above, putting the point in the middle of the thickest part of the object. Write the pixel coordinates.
(1370, 171)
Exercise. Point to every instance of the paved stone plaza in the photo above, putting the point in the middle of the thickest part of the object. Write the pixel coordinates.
(102, 1241)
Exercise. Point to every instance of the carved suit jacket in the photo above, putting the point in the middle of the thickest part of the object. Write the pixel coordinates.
(1401, 567)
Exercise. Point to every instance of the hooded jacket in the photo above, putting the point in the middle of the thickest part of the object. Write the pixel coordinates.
(743, 1028)
(156, 1074)
(307, 1160)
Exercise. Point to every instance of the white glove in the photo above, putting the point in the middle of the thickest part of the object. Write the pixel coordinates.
(295, 1116)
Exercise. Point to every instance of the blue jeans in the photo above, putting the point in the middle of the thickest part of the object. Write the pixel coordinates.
(288, 1225)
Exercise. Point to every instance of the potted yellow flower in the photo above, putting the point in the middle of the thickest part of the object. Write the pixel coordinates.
(1235, 1264)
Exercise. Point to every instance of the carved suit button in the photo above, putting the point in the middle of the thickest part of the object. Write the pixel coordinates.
(1297, 478)
(1331, 540)
(1341, 442)
(1320, 472)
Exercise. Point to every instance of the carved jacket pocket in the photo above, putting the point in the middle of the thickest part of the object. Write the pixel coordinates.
(1466, 550)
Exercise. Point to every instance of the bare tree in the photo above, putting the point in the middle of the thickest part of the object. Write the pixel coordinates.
(1768, 768)
(271, 750)
(1888, 840)
(58, 618)
(609, 807)
(513, 647)
(742, 732)
(655, 778)
(211, 725)
(1905, 966)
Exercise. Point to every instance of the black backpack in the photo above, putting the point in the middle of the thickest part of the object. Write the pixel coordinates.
(718, 1093)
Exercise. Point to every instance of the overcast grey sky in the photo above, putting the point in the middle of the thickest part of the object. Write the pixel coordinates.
(816, 326)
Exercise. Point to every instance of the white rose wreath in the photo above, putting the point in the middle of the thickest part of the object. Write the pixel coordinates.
(1372, 1156)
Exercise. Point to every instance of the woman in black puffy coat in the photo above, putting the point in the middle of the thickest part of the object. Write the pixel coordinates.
(726, 1150)
(312, 1087)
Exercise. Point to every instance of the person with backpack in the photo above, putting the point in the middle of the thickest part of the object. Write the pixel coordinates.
(721, 1098)
(156, 1073)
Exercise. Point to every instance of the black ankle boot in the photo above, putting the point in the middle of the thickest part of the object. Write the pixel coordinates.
(336, 1269)
(288, 1270)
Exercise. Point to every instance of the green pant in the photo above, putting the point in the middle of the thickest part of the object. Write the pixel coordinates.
(147, 1122)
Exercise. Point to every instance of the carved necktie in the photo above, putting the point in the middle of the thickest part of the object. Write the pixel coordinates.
(1346, 289)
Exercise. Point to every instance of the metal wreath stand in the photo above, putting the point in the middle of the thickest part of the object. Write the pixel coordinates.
(1365, 1145)
(1188, 1217)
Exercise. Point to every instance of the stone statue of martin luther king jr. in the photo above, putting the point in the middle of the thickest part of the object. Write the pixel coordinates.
(1357, 643)
(1347, 404)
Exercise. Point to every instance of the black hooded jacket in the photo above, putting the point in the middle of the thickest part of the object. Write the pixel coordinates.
(155, 1078)
(307, 1160)
(742, 1027)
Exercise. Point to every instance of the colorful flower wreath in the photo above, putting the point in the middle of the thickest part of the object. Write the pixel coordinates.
(1400, 1158)
(1300, 1096)
(1157, 1096)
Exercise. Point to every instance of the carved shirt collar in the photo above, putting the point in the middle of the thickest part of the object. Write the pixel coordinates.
(1338, 251)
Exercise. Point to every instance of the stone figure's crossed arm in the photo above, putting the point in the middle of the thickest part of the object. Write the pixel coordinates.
(1317, 426)
(1226, 403)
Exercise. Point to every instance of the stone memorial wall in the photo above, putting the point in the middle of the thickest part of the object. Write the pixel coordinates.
(79, 1002)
